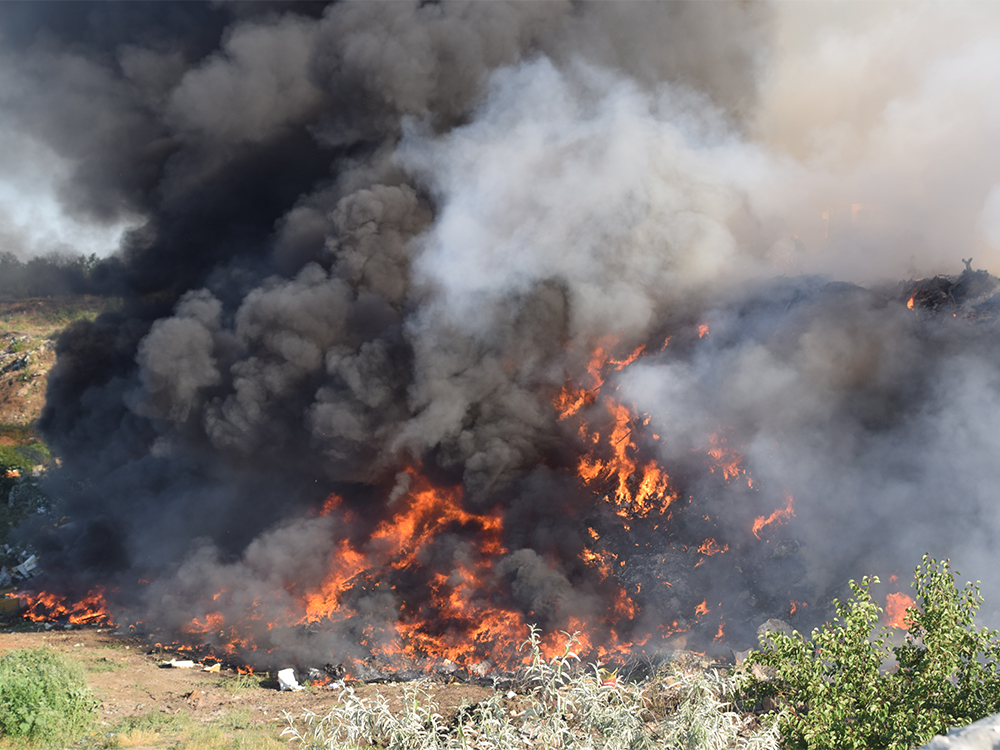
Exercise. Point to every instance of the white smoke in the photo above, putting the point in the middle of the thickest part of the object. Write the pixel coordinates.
(578, 176)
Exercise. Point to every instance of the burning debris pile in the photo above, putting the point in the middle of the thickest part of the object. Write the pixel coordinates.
(444, 320)
(973, 294)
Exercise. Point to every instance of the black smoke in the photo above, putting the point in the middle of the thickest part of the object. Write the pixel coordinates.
(376, 236)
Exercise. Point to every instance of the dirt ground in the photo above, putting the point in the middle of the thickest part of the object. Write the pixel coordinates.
(131, 682)
(28, 330)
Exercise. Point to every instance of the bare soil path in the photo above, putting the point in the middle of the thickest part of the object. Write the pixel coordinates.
(133, 684)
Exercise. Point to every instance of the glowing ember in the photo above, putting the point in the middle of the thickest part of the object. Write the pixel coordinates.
(777, 517)
(895, 610)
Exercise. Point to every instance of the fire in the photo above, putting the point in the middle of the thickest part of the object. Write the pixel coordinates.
(702, 330)
(725, 457)
(632, 498)
(458, 606)
(910, 301)
(571, 398)
(213, 621)
(331, 504)
(711, 547)
(600, 561)
(778, 517)
(895, 610)
(92, 609)
(460, 599)
(719, 633)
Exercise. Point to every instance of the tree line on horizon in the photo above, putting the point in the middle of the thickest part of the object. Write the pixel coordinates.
(53, 275)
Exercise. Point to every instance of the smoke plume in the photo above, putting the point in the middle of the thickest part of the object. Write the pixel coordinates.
(370, 243)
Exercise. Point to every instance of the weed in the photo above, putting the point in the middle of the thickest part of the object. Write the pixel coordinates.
(236, 731)
(104, 664)
(243, 682)
(43, 696)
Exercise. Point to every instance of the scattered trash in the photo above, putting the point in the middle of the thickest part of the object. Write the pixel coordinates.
(217, 667)
(480, 669)
(28, 567)
(287, 681)
(609, 678)
(181, 664)
(9, 605)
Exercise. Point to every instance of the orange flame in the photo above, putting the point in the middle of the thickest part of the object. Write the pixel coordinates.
(779, 516)
(633, 498)
(895, 611)
(571, 398)
(726, 458)
(702, 330)
(711, 547)
(213, 621)
(44, 606)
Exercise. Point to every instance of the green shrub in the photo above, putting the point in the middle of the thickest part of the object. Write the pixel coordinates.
(840, 689)
(43, 696)
(12, 457)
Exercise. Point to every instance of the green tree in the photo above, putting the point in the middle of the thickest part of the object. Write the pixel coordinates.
(840, 689)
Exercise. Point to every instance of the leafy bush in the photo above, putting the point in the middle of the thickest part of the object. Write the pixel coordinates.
(43, 696)
(14, 458)
(564, 707)
(835, 690)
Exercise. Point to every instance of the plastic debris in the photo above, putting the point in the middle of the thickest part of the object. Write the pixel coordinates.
(287, 681)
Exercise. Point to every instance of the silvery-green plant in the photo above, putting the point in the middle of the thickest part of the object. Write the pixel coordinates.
(560, 706)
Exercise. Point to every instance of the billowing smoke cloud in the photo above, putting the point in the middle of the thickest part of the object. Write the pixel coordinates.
(381, 237)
